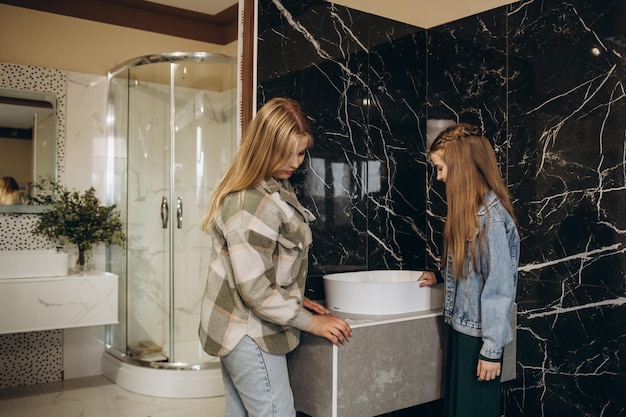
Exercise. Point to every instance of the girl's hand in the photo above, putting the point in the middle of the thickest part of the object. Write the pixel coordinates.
(314, 306)
(332, 328)
(427, 278)
(486, 371)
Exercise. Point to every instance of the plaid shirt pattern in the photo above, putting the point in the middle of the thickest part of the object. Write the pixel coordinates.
(257, 271)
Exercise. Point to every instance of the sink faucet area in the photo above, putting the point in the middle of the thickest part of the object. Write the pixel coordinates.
(33, 263)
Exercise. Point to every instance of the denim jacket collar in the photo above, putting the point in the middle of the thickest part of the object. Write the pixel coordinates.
(489, 200)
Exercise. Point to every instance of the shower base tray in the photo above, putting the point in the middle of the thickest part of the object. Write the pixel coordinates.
(178, 381)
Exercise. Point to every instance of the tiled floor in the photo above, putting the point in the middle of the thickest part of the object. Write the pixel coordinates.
(99, 397)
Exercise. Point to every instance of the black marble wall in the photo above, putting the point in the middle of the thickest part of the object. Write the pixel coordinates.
(545, 79)
(566, 168)
(361, 79)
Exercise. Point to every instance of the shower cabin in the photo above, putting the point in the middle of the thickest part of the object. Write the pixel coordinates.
(172, 132)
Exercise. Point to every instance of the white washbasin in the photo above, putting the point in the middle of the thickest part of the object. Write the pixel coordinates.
(33, 263)
(380, 293)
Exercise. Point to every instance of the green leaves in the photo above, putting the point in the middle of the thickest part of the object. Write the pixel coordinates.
(75, 218)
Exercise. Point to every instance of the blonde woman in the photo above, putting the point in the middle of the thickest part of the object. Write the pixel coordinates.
(9, 191)
(254, 306)
(480, 270)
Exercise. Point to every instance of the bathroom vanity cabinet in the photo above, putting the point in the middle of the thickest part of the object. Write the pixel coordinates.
(390, 363)
(45, 303)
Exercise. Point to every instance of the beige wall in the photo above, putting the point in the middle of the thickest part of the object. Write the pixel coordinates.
(16, 159)
(30, 37)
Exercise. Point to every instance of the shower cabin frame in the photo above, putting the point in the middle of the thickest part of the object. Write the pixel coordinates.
(153, 377)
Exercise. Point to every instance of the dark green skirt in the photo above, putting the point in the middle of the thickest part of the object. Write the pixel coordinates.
(465, 396)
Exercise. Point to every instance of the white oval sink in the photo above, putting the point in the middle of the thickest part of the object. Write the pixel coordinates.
(33, 263)
(380, 293)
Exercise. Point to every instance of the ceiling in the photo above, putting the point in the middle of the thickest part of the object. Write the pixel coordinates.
(423, 13)
(15, 117)
(16, 112)
(210, 7)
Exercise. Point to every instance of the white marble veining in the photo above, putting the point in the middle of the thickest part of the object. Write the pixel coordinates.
(46, 303)
(86, 139)
(98, 397)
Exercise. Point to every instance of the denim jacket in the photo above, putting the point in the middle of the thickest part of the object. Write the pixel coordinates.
(481, 304)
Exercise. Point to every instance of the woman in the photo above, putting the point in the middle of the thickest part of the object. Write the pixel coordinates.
(9, 191)
(252, 310)
(480, 269)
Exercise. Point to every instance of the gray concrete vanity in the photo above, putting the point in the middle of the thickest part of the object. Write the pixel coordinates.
(390, 363)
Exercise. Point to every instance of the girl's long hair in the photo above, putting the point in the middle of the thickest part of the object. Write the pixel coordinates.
(472, 171)
(270, 140)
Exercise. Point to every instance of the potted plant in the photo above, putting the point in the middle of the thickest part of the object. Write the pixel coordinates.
(77, 219)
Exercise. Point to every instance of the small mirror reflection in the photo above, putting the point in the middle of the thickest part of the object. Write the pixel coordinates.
(28, 129)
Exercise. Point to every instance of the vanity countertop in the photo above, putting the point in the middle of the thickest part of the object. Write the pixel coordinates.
(390, 363)
(363, 320)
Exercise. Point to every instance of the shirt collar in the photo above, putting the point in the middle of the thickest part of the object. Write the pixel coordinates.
(287, 194)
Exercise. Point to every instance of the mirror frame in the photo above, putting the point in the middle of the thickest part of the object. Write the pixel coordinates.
(32, 79)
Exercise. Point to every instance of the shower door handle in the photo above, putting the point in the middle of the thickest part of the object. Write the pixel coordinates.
(165, 212)
(179, 212)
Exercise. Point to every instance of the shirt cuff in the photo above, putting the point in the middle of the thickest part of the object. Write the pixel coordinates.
(302, 320)
(486, 359)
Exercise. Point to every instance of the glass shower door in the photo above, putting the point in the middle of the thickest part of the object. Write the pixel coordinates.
(148, 208)
(204, 143)
(181, 136)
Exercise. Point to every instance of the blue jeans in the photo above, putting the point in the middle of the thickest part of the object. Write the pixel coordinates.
(256, 383)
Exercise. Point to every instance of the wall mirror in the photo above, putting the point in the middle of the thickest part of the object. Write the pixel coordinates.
(28, 142)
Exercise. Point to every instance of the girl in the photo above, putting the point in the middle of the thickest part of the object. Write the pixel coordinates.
(252, 311)
(480, 269)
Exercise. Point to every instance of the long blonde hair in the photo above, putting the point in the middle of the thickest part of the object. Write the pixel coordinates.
(472, 170)
(270, 140)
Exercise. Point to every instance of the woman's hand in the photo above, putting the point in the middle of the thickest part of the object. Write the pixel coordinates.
(314, 306)
(486, 371)
(332, 328)
(427, 278)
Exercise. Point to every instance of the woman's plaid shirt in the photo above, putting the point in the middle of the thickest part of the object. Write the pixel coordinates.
(257, 271)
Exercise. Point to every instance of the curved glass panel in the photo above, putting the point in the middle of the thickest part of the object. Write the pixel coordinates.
(174, 132)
